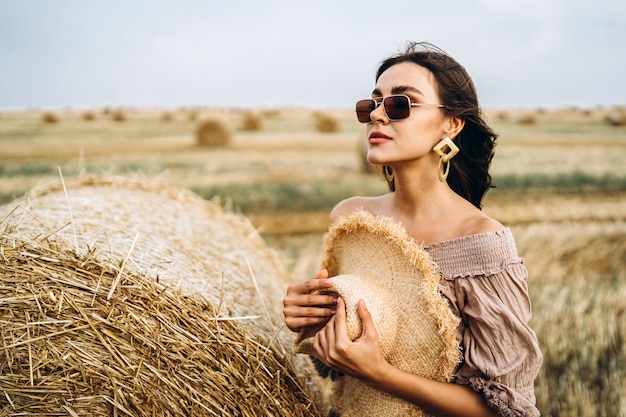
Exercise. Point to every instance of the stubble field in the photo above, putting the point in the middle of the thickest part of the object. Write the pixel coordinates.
(562, 190)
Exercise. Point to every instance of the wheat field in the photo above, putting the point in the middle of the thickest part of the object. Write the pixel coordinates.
(562, 189)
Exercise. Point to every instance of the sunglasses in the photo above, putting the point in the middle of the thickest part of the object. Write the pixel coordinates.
(397, 107)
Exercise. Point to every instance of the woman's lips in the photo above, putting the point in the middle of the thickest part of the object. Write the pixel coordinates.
(378, 137)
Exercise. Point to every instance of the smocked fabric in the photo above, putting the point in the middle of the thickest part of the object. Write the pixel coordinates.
(485, 282)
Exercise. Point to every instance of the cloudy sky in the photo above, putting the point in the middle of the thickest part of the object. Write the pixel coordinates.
(320, 53)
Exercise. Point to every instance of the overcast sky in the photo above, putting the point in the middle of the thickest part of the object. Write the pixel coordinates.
(320, 53)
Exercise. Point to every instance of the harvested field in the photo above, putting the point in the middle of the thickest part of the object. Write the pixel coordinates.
(562, 190)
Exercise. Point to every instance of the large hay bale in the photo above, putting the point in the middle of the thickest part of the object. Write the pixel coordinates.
(214, 131)
(122, 297)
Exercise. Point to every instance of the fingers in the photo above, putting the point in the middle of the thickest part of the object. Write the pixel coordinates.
(297, 317)
(302, 307)
(320, 345)
(324, 341)
(309, 301)
(367, 322)
(322, 274)
(341, 325)
(306, 287)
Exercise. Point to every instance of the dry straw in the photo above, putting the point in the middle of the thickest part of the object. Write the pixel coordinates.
(124, 298)
(214, 131)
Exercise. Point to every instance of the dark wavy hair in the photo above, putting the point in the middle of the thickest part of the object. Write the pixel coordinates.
(469, 169)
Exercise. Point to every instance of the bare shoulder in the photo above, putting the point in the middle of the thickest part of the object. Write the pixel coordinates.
(481, 223)
(352, 204)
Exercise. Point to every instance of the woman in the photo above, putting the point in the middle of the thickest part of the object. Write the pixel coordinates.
(425, 129)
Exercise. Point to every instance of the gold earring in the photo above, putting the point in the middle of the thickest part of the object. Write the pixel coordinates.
(443, 169)
(388, 172)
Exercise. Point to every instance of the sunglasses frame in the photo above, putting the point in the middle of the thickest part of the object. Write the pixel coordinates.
(380, 102)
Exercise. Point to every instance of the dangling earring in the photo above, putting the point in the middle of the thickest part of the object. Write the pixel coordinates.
(388, 172)
(445, 157)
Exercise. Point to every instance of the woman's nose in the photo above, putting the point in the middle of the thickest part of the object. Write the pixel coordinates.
(378, 114)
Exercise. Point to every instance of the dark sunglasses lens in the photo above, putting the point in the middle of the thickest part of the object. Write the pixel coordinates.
(397, 107)
(363, 110)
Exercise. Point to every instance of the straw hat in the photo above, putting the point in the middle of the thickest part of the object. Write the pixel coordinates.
(373, 258)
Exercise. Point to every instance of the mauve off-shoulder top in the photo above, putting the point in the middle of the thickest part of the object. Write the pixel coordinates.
(485, 281)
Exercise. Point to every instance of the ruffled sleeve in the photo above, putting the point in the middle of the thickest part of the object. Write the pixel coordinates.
(485, 281)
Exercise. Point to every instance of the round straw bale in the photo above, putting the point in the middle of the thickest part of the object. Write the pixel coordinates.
(502, 115)
(192, 115)
(366, 166)
(528, 119)
(326, 122)
(118, 116)
(251, 121)
(88, 116)
(171, 236)
(141, 299)
(214, 131)
(50, 118)
(616, 118)
(70, 347)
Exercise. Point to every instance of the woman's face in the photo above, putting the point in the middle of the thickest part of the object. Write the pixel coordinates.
(412, 138)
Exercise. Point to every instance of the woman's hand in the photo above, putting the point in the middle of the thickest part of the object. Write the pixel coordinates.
(363, 358)
(301, 308)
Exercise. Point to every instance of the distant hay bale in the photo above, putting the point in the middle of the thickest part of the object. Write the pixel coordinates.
(616, 118)
(502, 115)
(251, 121)
(167, 116)
(271, 113)
(528, 119)
(88, 116)
(118, 116)
(366, 166)
(214, 131)
(192, 115)
(50, 118)
(326, 122)
(123, 297)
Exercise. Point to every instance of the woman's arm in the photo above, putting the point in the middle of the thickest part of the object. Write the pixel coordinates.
(363, 359)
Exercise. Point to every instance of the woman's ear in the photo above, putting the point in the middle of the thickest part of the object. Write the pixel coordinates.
(454, 127)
